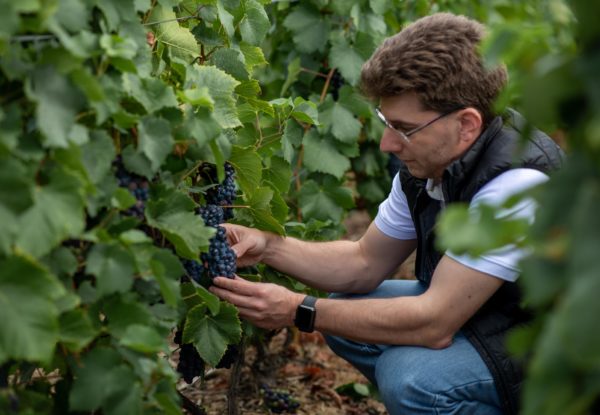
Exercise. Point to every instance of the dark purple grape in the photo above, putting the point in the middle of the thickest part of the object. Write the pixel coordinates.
(190, 363)
(193, 269)
(337, 81)
(229, 357)
(278, 401)
(220, 258)
(137, 185)
(223, 194)
(212, 215)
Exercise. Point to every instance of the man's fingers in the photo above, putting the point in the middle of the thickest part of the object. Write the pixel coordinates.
(255, 318)
(237, 285)
(248, 313)
(234, 298)
(238, 244)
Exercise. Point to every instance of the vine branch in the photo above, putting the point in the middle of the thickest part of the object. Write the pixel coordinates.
(235, 375)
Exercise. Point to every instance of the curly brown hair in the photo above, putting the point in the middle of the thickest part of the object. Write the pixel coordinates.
(437, 57)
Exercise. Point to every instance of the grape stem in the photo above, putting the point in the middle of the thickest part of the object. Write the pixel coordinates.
(190, 171)
(326, 86)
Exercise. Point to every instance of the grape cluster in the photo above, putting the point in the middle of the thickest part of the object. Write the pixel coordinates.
(138, 186)
(278, 401)
(220, 258)
(229, 357)
(194, 269)
(223, 194)
(190, 363)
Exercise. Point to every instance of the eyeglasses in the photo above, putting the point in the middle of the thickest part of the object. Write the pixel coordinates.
(414, 130)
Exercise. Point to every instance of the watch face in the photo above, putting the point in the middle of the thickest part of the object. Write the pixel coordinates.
(305, 318)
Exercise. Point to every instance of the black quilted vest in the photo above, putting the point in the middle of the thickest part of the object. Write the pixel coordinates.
(498, 149)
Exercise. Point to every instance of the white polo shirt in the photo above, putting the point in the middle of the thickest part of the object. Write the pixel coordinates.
(394, 220)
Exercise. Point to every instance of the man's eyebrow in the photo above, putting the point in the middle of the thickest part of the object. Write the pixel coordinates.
(402, 124)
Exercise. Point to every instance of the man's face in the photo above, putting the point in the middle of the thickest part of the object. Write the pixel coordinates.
(428, 151)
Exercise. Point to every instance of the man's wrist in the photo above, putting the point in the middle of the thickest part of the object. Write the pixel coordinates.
(272, 242)
(294, 303)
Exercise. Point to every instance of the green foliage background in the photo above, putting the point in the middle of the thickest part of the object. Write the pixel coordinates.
(89, 295)
(554, 63)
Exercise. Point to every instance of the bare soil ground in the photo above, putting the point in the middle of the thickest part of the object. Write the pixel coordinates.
(299, 364)
(306, 369)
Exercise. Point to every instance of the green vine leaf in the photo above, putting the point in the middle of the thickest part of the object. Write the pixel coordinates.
(226, 19)
(57, 213)
(291, 139)
(172, 214)
(279, 174)
(152, 93)
(179, 40)
(253, 56)
(29, 326)
(310, 30)
(327, 202)
(232, 62)
(248, 167)
(260, 210)
(123, 311)
(321, 155)
(76, 330)
(341, 122)
(58, 102)
(347, 60)
(221, 87)
(113, 267)
(103, 381)
(212, 301)
(211, 334)
(255, 23)
(143, 339)
(166, 269)
(155, 140)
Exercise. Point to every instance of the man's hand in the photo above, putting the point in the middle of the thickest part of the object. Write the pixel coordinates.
(265, 305)
(248, 244)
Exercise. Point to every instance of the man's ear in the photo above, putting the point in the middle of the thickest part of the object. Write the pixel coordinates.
(471, 124)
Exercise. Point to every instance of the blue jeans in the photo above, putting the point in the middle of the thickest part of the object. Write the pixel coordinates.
(419, 380)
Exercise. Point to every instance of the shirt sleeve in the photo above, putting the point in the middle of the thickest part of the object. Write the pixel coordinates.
(393, 217)
(503, 262)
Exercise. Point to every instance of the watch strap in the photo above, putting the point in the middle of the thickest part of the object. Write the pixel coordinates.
(309, 301)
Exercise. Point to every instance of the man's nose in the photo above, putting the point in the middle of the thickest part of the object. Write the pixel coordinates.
(391, 142)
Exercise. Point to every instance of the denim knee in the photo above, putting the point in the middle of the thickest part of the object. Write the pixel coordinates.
(402, 392)
(417, 380)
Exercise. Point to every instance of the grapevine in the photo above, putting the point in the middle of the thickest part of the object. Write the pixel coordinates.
(220, 260)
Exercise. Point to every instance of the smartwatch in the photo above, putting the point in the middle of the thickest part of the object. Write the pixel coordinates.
(305, 314)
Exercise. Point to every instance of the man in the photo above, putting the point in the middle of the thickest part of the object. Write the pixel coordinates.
(434, 345)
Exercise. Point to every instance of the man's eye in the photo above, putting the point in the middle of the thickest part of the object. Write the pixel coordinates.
(400, 127)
